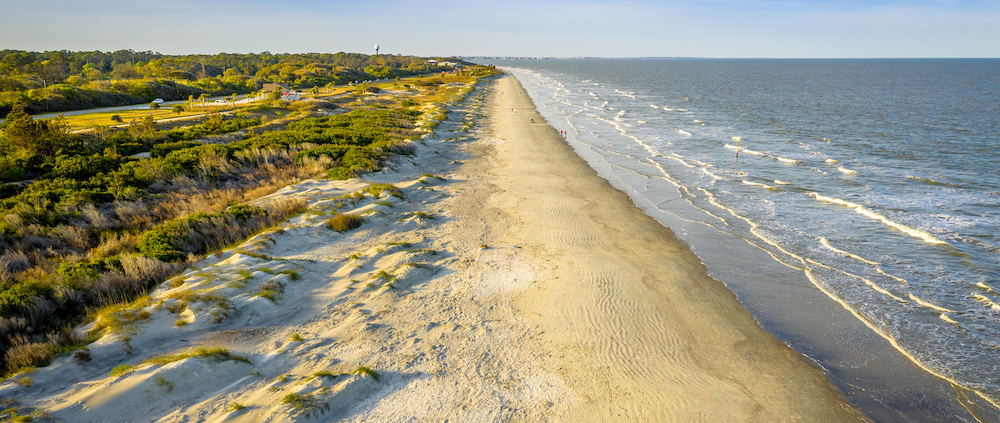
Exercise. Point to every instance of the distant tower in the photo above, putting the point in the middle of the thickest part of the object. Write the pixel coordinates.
(376, 49)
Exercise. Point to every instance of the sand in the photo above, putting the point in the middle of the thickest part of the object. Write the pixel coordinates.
(509, 282)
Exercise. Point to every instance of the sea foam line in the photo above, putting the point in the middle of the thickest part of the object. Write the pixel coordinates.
(895, 343)
(758, 153)
(872, 325)
(684, 190)
(754, 229)
(826, 243)
(864, 211)
(988, 302)
(846, 171)
(929, 305)
(758, 184)
(868, 282)
(898, 279)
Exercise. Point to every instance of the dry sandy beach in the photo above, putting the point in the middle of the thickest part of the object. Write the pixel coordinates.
(509, 283)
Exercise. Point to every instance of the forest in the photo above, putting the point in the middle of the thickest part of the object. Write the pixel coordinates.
(55, 81)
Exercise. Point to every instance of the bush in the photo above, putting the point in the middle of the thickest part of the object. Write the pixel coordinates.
(36, 354)
(175, 239)
(344, 222)
(162, 149)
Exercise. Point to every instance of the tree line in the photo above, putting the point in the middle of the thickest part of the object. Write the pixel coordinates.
(63, 80)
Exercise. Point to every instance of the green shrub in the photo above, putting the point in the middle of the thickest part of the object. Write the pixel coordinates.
(162, 149)
(195, 234)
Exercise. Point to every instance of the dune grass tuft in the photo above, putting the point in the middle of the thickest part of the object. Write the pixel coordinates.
(307, 405)
(367, 371)
(215, 355)
(122, 369)
(344, 222)
(293, 275)
(378, 189)
(327, 374)
(423, 215)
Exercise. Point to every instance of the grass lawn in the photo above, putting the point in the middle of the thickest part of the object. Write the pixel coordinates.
(90, 120)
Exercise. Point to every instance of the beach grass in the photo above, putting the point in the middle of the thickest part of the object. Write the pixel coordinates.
(344, 222)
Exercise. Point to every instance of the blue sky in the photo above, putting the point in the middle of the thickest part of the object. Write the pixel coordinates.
(628, 28)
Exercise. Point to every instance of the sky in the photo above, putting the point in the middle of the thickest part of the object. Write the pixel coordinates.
(532, 28)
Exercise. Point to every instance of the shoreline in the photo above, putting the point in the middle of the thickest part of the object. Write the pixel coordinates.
(712, 346)
(876, 375)
(507, 281)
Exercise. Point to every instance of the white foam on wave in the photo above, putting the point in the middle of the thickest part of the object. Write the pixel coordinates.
(681, 161)
(832, 161)
(930, 305)
(654, 106)
(625, 93)
(896, 278)
(826, 243)
(641, 122)
(784, 160)
(745, 150)
(777, 182)
(758, 184)
(986, 287)
(866, 281)
(880, 330)
(988, 302)
(948, 319)
(846, 171)
(685, 133)
(864, 211)
(710, 174)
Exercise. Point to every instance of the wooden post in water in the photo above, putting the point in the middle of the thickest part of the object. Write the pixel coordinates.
(737, 139)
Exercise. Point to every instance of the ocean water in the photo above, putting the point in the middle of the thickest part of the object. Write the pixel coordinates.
(873, 183)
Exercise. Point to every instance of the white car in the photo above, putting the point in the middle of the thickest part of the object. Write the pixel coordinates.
(158, 101)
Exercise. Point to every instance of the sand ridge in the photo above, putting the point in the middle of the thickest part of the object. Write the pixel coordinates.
(507, 283)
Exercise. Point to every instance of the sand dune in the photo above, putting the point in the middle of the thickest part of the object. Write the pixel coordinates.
(508, 283)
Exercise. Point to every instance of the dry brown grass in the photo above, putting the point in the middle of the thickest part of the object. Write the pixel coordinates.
(113, 243)
(344, 222)
(11, 263)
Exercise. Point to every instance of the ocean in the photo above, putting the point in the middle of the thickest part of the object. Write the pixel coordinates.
(853, 206)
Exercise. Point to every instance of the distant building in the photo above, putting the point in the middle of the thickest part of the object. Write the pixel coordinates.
(287, 93)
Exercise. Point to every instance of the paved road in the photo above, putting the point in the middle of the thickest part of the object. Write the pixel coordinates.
(142, 106)
(167, 104)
